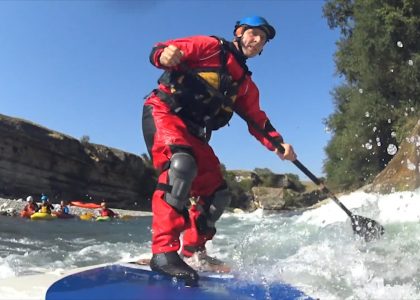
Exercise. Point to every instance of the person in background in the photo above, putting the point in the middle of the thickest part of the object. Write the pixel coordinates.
(105, 211)
(46, 206)
(63, 209)
(178, 119)
(30, 207)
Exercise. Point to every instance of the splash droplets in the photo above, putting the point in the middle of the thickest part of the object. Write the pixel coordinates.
(327, 129)
(392, 149)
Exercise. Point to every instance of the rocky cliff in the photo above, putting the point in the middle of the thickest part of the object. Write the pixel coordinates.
(35, 160)
(403, 171)
(270, 191)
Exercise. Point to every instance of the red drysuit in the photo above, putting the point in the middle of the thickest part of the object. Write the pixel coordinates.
(166, 131)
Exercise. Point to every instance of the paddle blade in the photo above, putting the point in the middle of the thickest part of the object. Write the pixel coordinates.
(366, 228)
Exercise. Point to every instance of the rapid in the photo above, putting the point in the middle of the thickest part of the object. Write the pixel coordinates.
(314, 250)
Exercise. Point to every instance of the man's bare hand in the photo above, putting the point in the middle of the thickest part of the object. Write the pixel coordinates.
(289, 153)
(170, 56)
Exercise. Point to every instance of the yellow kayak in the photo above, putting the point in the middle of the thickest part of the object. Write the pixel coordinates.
(42, 216)
(86, 216)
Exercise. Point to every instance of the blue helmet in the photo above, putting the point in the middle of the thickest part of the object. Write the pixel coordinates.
(44, 198)
(258, 22)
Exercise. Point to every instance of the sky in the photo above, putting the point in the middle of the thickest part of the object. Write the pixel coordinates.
(82, 68)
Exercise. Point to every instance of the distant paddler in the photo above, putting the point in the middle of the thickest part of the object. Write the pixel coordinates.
(30, 208)
(46, 206)
(106, 213)
(63, 211)
(44, 213)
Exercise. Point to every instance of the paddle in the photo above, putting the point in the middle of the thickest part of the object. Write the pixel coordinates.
(364, 227)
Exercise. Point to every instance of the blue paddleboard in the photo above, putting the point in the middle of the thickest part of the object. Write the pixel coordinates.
(130, 281)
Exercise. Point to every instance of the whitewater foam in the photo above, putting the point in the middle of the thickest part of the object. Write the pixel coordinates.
(315, 250)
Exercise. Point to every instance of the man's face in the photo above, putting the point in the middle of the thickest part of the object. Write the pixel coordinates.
(253, 41)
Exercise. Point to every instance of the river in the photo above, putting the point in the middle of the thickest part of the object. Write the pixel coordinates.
(315, 250)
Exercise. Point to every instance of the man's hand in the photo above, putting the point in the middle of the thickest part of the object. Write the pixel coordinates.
(289, 153)
(170, 56)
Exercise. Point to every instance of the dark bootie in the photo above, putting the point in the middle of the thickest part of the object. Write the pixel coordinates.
(171, 264)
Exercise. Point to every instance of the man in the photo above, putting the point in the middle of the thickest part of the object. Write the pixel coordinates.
(46, 206)
(105, 211)
(30, 207)
(178, 118)
(63, 209)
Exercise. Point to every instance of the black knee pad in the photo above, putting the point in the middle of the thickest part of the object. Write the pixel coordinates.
(182, 172)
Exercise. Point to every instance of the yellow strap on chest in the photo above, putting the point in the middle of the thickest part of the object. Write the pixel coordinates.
(213, 78)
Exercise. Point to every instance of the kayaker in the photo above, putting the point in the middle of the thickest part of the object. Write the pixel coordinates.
(105, 211)
(30, 207)
(46, 206)
(63, 209)
(178, 118)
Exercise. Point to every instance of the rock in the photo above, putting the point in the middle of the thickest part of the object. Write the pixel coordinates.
(35, 160)
(269, 198)
(238, 211)
(275, 180)
(285, 199)
(403, 171)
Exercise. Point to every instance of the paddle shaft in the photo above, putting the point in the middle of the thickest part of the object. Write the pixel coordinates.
(318, 182)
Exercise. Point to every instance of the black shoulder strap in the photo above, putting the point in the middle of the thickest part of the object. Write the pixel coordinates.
(226, 47)
(223, 54)
(230, 47)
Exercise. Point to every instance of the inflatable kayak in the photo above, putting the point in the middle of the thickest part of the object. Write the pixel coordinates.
(63, 215)
(126, 217)
(26, 214)
(86, 216)
(132, 281)
(85, 204)
(42, 216)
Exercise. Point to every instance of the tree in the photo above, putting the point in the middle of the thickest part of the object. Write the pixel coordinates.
(378, 55)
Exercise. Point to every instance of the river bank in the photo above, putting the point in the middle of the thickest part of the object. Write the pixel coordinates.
(12, 207)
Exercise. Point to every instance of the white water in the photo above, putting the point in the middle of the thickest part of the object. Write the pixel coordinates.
(315, 251)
